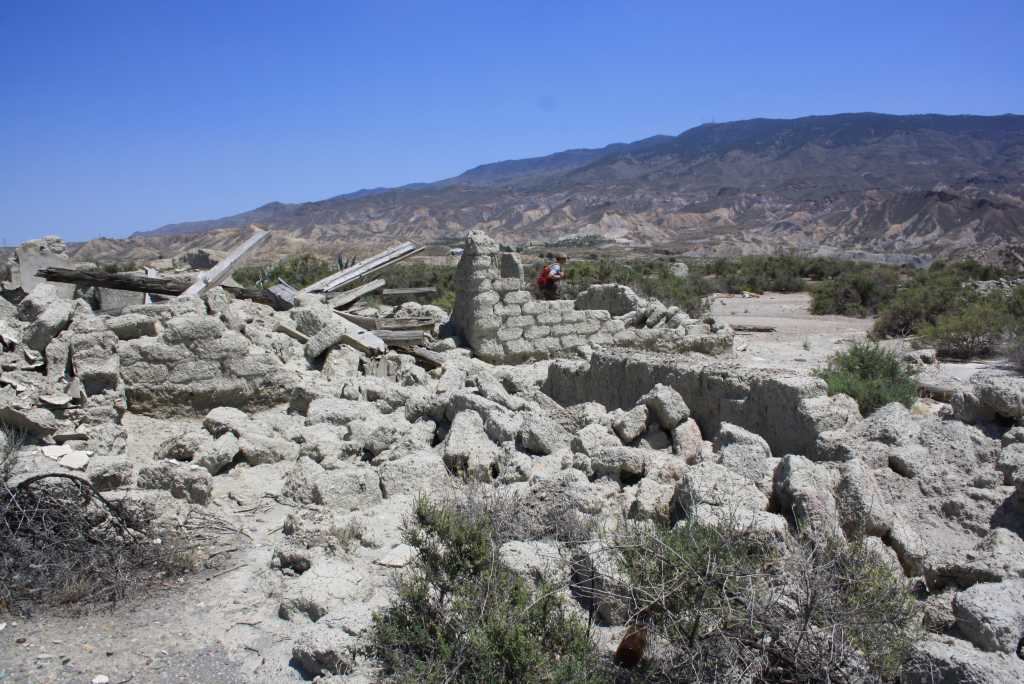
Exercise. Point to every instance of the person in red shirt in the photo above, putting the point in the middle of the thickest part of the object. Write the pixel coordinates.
(550, 279)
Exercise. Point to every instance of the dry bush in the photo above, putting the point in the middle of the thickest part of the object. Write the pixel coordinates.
(460, 615)
(64, 543)
(723, 604)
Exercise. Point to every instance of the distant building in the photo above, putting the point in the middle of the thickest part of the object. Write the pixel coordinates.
(455, 251)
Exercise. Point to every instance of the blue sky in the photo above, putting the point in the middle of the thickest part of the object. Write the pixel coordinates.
(123, 116)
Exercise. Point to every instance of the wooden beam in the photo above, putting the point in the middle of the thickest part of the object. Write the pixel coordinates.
(285, 291)
(365, 341)
(408, 291)
(388, 257)
(140, 283)
(370, 323)
(342, 299)
(150, 273)
(291, 332)
(401, 338)
(219, 273)
(430, 358)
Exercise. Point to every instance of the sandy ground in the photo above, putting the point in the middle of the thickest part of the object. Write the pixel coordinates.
(800, 341)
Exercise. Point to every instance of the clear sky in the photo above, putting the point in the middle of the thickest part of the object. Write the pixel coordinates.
(123, 116)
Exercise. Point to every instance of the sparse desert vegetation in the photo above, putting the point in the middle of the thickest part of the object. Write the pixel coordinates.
(872, 375)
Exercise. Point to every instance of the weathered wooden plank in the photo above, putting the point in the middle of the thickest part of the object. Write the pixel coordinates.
(408, 291)
(150, 273)
(429, 358)
(140, 283)
(364, 268)
(219, 273)
(285, 291)
(370, 323)
(365, 341)
(291, 332)
(340, 299)
(401, 338)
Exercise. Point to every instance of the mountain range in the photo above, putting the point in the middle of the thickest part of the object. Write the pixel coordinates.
(920, 185)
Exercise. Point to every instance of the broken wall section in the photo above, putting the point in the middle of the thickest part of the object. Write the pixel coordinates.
(788, 410)
(502, 321)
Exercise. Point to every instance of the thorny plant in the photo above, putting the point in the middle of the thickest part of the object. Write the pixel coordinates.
(725, 603)
(65, 543)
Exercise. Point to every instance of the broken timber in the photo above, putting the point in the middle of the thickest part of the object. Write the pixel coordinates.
(140, 283)
(430, 358)
(340, 299)
(388, 257)
(408, 291)
(747, 328)
(285, 291)
(425, 324)
(219, 273)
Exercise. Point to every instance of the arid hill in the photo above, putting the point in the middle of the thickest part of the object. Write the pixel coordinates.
(923, 185)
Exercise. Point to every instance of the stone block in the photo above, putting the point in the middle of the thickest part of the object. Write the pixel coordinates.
(520, 321)
(549, 317)
(484, 300)
(547, 344)
(536, 332)
(532, 308)
(132, 326)
(519, 346)
(572, 316)
(507, 285)
(571, 341)
(506, 334)
(519, 297)
(508, 310)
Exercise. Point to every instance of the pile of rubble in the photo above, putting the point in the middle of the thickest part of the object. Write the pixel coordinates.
(229, 405)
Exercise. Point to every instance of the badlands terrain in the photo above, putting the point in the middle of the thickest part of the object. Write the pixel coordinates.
(861, 185)
(295, 460)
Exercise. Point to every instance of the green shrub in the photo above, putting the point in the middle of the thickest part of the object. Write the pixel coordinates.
(978, 329)
(462, 616)
(1015, 335)
(298, 270)
(729, 604)
(873, 376)
(860, 292)
(919, 303)
(417, 274)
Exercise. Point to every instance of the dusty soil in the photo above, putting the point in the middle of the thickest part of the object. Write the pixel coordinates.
(214, 626)
(800, 340)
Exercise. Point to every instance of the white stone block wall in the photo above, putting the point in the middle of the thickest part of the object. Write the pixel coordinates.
(502, 321)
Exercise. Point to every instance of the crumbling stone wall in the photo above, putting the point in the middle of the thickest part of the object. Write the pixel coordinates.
(501, 320)
(790, 411)
(193, 362)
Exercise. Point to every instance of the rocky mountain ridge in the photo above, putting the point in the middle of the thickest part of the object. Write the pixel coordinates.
(925, 185)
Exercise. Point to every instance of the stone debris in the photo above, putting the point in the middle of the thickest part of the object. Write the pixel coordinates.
(627, 409)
